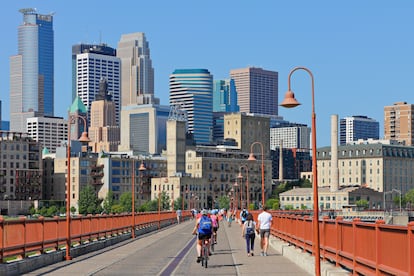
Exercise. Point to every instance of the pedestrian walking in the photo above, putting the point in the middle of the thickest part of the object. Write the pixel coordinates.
(179, 214)
(264, 221)
(248, 230)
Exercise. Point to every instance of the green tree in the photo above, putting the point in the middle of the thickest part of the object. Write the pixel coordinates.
(43, 211)
(178, 204)
(288, 207)
(108, 202)
(88, 201)
(62, 210)
(117, 209)
(362, 204)
(125, 200)
(165, 201)
(224, 202)
(73, 210)
(149, 206)
(52, 211)
(272, 203)
(409, 197)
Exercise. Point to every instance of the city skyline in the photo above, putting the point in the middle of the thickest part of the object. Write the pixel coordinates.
(359, 53)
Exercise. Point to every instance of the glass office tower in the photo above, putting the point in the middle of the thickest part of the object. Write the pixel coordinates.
(192, 89)
(31, 70)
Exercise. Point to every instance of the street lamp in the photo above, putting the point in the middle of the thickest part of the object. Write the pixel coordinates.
(159, 205)
(390, 192)
(252, 158)
(236, 185)
(241, 189)
(141, 168)
(83, 139)
(247, 184)
(290, 102)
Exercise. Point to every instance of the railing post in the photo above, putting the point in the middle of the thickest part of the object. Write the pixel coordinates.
(23, 220)
(410, 236)
(2, 238)
(338, 230)
(42, 220)
(378, 245)
(354, 243)
(322, 234)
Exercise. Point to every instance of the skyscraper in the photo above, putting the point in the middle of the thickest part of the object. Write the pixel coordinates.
(104, 132)
(225, 96)
(357, 127)
(399, 123)
(137, 80)
(192, 89)
(257, 90)
(90, 64)
(31, 70)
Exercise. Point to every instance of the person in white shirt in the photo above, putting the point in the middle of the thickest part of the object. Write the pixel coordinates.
(264, 222)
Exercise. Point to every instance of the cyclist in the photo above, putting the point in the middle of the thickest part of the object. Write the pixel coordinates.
(215, 222)
(204, 229)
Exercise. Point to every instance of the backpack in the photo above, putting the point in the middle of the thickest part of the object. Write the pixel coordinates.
(244, 214)
(205, 225)
(249, 228)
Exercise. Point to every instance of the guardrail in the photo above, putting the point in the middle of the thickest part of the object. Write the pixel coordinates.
(363, 248)
(25, 237)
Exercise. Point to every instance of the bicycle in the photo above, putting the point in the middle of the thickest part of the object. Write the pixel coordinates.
(204, 252)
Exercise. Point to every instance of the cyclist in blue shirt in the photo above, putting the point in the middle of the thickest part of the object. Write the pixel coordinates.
(204, 229)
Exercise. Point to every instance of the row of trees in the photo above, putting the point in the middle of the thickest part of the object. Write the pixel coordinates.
(89, 203)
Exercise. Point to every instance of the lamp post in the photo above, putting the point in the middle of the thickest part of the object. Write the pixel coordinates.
(159, 205)
(390, 192)
(141, 168)
(236, 185)
(252, 158)
(84, 139)
(241, 190)
(290, 102)
(231, 194)
(133, 199)
(247, 184)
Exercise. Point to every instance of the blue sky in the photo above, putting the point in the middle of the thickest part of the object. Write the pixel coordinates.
(361, 53)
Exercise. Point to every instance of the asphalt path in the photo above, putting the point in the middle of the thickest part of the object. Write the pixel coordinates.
(171, 251)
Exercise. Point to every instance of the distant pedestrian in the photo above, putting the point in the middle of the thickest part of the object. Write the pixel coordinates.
(264, 221)
(248, 230)
(179, 214)
(243, 215)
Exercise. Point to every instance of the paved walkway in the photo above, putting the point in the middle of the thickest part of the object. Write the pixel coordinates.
(154, 253)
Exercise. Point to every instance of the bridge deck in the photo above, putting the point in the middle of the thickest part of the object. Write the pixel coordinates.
(171, 251)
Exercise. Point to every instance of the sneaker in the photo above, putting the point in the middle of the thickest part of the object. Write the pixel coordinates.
(265, 254)
(248, 255)
(198, 259)
(261, 254)
(252, 254)
(209, 253)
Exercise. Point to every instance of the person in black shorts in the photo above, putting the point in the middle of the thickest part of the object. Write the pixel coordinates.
(204, 229)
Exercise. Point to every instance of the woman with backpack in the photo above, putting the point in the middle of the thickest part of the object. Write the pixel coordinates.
(248, 233)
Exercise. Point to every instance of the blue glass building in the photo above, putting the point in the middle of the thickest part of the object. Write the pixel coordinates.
(192, 89)
(31, 70)
(357, 127)
(225, 96)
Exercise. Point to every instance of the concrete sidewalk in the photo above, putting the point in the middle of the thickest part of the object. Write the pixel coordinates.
(282, 259)
(273, 264)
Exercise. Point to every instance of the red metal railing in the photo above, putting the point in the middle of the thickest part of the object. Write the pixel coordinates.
(22, 237)
(364, 248)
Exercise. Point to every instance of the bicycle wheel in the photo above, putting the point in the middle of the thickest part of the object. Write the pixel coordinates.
(205, 257)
